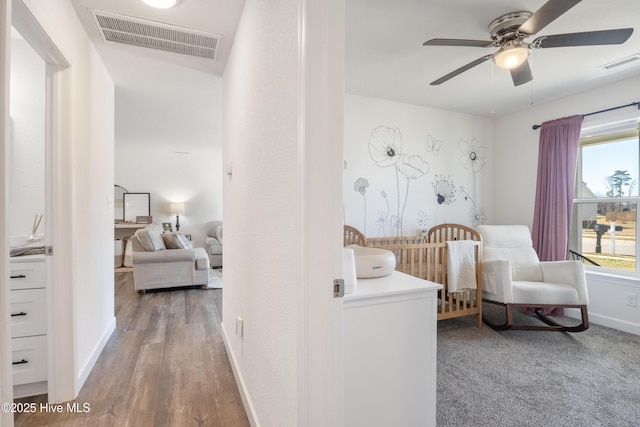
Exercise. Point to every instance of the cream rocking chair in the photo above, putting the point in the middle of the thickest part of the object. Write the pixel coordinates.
(513, 276)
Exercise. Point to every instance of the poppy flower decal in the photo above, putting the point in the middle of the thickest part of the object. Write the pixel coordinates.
(413, 167)
(385, 146)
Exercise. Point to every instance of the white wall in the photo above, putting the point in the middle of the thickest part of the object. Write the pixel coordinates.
(261, 209)
(27, 164)
(82, 293)
(516, 147)
(173, 151)
(441, 140)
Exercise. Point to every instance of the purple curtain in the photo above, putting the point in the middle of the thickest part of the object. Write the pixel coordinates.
(557, 159)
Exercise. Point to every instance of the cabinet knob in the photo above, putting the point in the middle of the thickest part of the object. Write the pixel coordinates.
(22, 313)
(19, 276)
(22, 362)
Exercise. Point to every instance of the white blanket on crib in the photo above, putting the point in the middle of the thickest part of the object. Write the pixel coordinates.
(461, 272)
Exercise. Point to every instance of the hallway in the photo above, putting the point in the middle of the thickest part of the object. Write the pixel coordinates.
(165, 365)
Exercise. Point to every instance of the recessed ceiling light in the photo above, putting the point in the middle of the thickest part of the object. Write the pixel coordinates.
(161, 4)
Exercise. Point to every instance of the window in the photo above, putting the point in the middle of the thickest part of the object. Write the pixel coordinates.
(605, 210)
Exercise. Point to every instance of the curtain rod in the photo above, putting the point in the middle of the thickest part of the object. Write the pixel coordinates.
(536, 127)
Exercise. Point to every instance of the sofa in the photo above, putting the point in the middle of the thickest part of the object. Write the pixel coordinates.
(167, 260)
(214, 243)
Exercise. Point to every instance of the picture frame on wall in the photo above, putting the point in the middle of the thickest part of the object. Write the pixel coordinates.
(135, 205)
(167, 227)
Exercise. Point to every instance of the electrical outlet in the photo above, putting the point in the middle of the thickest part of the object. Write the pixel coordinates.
(239, 326)
(632, 300)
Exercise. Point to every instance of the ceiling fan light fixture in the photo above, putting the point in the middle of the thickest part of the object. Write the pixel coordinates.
(510, 57)
(161, 4)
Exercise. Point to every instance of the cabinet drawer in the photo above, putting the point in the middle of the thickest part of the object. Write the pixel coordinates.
(28, 275)
(29, 359)
(28, 312)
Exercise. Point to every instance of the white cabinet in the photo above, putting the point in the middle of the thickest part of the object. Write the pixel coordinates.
(29, 324)
(389, 327)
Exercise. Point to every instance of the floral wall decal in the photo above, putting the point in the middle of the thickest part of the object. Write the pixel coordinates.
(409, 156)
(360, 186)
(444, 190)
(473, 156)
(433, 145)
(423, 222)
(385, 149)
(385, 146)
(477, 213)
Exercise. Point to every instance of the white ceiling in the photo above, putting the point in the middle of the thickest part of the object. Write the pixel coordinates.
(384, 53)
(385, 57)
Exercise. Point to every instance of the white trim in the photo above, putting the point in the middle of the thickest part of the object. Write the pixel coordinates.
(320, 165)
(60, 339)
(237, 373)
(606, 276)
(6, 374)
(90, 363)
(607, 321)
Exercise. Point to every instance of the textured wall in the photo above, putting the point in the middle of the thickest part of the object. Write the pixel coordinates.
(261, 207)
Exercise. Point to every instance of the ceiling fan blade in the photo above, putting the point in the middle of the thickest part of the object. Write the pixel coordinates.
(548, 13)
(458, 42)
(589, 38)
(461, 70)
(522, 74)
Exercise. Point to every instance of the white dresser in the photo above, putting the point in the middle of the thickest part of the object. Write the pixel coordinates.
(390, 352)
(29, 325)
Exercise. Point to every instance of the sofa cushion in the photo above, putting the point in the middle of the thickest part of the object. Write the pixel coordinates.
(218, 229)
(176, 241)
(150, 239)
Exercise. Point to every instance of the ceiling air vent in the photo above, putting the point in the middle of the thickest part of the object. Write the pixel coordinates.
(155, 35)
(622, 61)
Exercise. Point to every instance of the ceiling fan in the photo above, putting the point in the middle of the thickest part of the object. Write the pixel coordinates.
(508, 32)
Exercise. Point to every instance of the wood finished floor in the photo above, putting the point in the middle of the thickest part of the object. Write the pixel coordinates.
(165, 365)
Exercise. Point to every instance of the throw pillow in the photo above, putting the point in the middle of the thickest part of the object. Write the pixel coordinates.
(150, 240)
(176, 241)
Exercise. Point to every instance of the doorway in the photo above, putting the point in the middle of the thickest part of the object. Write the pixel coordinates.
(29, 184)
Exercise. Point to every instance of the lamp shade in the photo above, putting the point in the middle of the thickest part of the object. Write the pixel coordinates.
(177, 208)
(509, 57)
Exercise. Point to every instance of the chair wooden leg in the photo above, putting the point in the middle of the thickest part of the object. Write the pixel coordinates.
(583, 326)
(508, 324)
(552, 325)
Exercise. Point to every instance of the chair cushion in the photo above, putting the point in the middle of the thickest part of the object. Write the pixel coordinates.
(525, 292)
(512, 242)
(150, 239)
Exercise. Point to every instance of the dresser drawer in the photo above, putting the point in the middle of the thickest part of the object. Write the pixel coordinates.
(28, 275)
(28, 312)
(29, 358)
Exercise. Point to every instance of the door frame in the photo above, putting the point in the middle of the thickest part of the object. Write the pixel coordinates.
(61, 382)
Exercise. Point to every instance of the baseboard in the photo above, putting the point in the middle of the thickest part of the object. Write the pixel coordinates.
(97, 350)
(609, 322)
(30, 389)
(242, 388)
